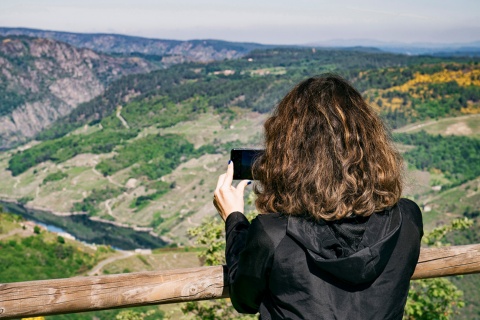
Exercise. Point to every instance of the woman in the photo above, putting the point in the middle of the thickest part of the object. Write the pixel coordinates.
(334, 240)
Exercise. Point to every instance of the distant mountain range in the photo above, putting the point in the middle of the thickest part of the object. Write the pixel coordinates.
(175, 51)
(417, 48)
(168, 51)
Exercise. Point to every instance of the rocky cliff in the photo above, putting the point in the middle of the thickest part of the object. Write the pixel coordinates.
(43, 79)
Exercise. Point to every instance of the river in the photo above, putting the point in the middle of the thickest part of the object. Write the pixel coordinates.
(89, 231)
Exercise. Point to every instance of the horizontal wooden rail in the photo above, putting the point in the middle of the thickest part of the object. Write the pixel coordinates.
(79, 294)
(447, 261)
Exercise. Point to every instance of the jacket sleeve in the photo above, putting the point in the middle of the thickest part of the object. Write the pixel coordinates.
(249, 255)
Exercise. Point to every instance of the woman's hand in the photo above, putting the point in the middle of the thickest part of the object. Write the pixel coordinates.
(227, 198)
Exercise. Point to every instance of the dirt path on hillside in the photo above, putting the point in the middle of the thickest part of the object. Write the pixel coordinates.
(17, 181)
(109, 210)
(11, 233)
(119, 116)
(108, 177)
(413, 127)
(192, 223)
(122, 255)
(209, 169)
(23, 232)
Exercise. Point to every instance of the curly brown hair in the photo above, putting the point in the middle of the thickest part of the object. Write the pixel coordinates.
(327, 155)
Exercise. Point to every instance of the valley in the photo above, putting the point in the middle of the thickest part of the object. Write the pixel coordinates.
(191, 184)
(144, 153)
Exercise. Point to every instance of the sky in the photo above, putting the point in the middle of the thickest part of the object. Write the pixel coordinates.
(262, 21)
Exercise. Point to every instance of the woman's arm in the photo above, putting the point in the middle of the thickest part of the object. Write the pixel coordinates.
(249, 255)
(247, 252)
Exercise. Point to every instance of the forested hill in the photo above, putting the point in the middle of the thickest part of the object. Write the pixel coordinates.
(167, 52)
(259, 79)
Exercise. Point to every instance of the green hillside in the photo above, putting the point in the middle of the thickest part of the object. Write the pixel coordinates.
(255, 82)
(30, 252)
(147, 152)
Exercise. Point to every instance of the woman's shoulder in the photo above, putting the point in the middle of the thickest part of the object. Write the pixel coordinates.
(269, 220)
(272, 225)
(411, 211)
(408, 206)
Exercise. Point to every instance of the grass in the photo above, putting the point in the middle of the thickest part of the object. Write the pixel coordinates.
(6, 187)
(8, 223)
(463, 125)
(191, 195)
(86, 130)
(155, 261)
(199, 131)
(266, 71)
(208, 127)
(124, 213)
(62, 194)
(451, 203)
(122, 176)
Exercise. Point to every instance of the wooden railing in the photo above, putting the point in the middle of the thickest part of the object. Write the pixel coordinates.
(47, 297)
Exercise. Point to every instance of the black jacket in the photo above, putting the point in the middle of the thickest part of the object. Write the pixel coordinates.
(288, 267)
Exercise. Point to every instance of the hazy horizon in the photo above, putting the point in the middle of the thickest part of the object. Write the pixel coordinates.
(329, 42)
(266, 22)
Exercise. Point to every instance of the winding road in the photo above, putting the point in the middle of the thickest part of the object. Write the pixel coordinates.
(122, 255)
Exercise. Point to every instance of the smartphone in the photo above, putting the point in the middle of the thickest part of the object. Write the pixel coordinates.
(243, 159)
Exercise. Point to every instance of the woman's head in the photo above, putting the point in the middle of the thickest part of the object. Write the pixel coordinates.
(327, 154)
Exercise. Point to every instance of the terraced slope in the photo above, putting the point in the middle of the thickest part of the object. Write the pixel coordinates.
(147, 152)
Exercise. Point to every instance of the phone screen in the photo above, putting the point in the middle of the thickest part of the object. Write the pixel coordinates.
(242, 162)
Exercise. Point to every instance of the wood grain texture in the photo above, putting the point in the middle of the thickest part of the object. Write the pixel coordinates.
(79, 294)
(56, 296)
(447, 261)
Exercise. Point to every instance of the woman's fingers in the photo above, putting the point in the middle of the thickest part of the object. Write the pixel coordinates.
(227, 183)
(241, 186)
(227, 198)
(220, 181)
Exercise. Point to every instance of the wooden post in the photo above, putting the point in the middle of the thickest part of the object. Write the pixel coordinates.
(79, 294)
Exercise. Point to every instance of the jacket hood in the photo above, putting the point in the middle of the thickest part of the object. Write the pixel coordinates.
(336, 248)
